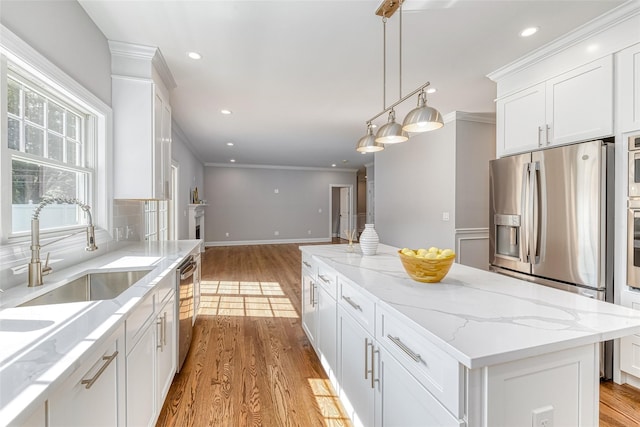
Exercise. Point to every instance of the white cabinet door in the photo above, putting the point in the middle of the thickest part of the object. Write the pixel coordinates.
(309, 312)
(580, 103)
(37, 418)
(520, 121)
(165, 349)
(628, 72)
(141, 361)
(91, 395)
(326, 333)
(402, 402)
(355, 365)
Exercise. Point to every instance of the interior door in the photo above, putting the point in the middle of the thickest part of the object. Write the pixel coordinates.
(345, 210)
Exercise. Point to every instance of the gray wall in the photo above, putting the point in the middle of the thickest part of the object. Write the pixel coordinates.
(62, 31)
(242, 202)
(414, 184)
(190, 175)
(441, 171)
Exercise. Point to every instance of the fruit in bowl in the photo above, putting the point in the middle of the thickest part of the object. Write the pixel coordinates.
(427, 265)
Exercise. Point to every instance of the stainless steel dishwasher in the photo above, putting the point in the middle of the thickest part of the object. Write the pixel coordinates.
(185, 279)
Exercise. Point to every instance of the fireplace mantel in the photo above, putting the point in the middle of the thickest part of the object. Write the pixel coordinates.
(196, 222)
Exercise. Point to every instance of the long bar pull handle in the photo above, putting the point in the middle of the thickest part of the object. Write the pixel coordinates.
(311, 292)
(524, 228)
(306, 263)
(412, 354)
(324, 278)
(547, 131)
(373, 364)
(164, 329)
(535, 213)
(108, 359)
(366, 359)
(539, 136)
(159, 333)
(352, 303)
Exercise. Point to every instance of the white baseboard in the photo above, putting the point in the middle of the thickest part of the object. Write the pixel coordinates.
(267, 242)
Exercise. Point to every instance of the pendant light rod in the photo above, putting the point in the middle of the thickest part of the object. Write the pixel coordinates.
(401, 100)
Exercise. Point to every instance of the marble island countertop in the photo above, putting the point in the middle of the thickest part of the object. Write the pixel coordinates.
(42, 345)
(478, 317)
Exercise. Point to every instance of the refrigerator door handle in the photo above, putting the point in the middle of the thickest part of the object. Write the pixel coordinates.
(534, 256)
(524, 224)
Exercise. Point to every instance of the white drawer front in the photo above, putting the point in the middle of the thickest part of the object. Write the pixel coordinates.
(438, 372)
(328, 279)
(630, 355)
(357, 305)
(308, 263)
(137, 320)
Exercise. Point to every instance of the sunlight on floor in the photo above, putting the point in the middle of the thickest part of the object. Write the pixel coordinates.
(259, 299)
(328, 403)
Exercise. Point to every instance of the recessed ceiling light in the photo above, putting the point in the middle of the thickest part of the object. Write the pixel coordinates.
(194, 55)
(333, 165)
(230, 144)
(432, 90)
(226, 112)
(529, 31)
(232, 160)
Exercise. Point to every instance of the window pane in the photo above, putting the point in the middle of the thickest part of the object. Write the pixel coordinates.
(55, 147)
(13, 132)
(72, 153)
(30, 183)
(34, 140)
(34, 110)
(13, 98)
(55, 118)
(73, 126)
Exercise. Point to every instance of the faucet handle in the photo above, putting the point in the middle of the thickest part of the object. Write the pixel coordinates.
(46, 269)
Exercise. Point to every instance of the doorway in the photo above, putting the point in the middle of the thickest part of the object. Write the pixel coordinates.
(340, 207)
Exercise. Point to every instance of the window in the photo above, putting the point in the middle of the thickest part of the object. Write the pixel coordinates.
(46, 142)
(53, 142)
(156, 220)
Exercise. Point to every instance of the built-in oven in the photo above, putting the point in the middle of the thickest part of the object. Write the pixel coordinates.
(186, 274)
(634, 166)
(633, 244)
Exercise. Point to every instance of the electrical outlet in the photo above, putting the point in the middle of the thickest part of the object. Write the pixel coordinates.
(276, 191)
(226, 234)
(445, 216)
(309, 232)
(320, 210)
(542, 417)
(276, 233)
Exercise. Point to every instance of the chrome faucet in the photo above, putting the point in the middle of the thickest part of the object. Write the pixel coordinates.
(36, 270)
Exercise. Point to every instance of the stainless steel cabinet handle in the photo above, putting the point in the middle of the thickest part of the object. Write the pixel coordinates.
(366, 359)
(373, 361)
(313, 297)
(324, 279)
(412, 354)
(159, 332)
(548, 129)
(108, 359)
(352, 303)
(306, 263)
(539, 136)
(164, 329)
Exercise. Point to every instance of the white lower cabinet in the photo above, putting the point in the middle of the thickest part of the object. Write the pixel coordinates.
(630, 345)
(92, 395)
(165, 350)
(401, 401)
(326, 333)
(309, 312)
(355, 365)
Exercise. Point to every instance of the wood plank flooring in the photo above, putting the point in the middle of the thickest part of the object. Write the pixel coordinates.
(250, 363)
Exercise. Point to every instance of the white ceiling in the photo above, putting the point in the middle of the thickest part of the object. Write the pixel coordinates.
(302, 77)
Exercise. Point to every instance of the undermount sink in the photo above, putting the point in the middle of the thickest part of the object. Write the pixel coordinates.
(90, 287)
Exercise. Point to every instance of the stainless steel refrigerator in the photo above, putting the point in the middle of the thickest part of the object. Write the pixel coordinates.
(551, 218)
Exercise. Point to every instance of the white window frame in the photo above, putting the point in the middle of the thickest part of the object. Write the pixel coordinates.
(156, 220)
(99, 154)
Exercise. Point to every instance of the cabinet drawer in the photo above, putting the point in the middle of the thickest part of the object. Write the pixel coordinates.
(166, 285)
(438, 372)
(308, 263)
(361, 307)
(630, 355)
(136, 322)
(328, 279)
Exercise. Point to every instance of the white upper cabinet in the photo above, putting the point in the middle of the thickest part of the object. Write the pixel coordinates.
(628, 73)
(574, 106)
(141, 82)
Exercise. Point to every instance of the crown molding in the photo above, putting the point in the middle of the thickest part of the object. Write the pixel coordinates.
(130, 51)
(603, 22)
(275, 167)
(175, 127)
(470, 117)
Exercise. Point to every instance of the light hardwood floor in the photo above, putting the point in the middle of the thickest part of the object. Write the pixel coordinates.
(250, 363)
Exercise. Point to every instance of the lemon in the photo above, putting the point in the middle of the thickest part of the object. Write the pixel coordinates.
(447, 252)
(431, 255)
(433, 249)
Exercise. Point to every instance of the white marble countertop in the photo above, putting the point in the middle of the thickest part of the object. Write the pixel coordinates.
(42, 345)
(478, 317)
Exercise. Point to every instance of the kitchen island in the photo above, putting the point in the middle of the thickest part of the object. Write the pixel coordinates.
(481, 349)
(48, 353)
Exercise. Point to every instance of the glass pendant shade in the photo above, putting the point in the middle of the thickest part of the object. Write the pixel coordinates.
(422, 118)
(392, 132)
(368, 144)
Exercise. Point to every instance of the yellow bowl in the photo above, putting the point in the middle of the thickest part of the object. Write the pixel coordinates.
(426, 270)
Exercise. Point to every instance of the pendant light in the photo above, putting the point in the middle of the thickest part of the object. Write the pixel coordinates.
(392, 132)
(422, 118)
(368, 144)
